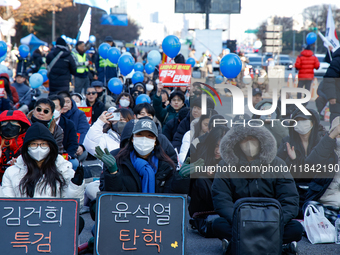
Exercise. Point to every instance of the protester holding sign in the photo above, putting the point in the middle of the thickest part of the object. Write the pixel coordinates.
(171, 111)
(40, 171)
(97, 106)
(141, 166)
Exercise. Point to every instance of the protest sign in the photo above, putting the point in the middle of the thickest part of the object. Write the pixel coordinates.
(88, 113)
(139, 223)
(35, 226)
(175, 75)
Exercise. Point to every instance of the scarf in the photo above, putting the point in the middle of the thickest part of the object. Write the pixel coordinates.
(146, 171)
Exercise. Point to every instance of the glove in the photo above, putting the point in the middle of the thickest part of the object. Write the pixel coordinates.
(78, 176)
(106, 158)
(188, 168)
(86, 63)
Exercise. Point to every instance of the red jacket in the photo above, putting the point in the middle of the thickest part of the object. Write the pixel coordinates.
(13, 90)
(305, 63)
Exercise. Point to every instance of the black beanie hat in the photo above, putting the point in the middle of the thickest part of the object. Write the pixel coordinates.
(39, 132)
(60, 41)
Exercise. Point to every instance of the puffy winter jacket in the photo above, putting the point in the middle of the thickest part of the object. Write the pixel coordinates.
(14, 174)
(305, 63)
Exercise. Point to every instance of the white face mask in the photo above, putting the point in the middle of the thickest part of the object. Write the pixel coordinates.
(149, 87)
(250, 148)
(123, 51)
(338, 143)
(124, 102)
(303, 126)
(143, 145)
(39, 153)
(78, 104)
(56, 114)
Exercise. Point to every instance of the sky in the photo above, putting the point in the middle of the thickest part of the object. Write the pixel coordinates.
(253, 12)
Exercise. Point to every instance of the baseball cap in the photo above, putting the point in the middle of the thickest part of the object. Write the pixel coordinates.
(91, 51)
(301, 115)
(97, 84)
(257, 91)
(108, 39)
(145, 125)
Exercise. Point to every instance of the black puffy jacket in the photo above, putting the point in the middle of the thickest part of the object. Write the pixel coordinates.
(60, 74)
(226, 191)
(183, 127)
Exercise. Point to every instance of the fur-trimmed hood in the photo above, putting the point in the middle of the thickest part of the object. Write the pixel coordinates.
(230, 150)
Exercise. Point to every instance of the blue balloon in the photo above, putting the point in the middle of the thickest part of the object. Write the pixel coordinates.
(154, 57)
(231, 65)
(115, 85)
(74, 41)
(171, 46)
(24, 50)
(103, 49)
(191, 62)
(43, 72)
(3, 48)
(143, 98)
(137, 77)
(36, 80)
(125, 64)
(138, 67)
(311, 38)
(92, 39)
(3, 69)
(3, 57)
(113, 54)
(149, 69)
(68, 40)
(64, 37)
(219, 79)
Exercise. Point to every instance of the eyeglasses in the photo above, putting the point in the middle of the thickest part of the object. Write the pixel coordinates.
(46, 111)
(35, 145)
(91, 93)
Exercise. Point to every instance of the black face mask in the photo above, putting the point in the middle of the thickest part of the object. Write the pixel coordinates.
(100, 93)
(119, 127)
(9, 130)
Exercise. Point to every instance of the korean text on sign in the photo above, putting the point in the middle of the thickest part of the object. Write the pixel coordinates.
(174, 75)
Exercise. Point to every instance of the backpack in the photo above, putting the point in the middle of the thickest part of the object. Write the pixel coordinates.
(257, 226)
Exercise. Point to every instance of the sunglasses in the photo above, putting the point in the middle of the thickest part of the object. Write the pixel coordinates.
(46, 111)
(91, 93)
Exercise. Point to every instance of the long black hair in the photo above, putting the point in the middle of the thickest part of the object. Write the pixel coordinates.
(198, 125)
(158, 152)
(48, 172)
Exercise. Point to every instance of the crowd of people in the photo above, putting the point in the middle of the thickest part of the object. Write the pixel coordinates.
(156, 147)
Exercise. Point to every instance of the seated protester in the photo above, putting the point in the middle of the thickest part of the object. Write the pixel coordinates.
(296, 149)
(97, 107)
(171, 111)
(171, 126)
(103, 97)
(125, 100)
(12, 93)
(323, 190)
(253, 146)
(70, 141)
(141, 166)
(43, 113)
(165, 97)
(24, 92)
(71, 112)
(41, 172)
(150, 87)
(185, 90)
(146, 110)
(107, 137)
(139, 86)
(200, 126)
(275, 127)
(200, 188)
(13, 127)
(184, 126)
(79, 99)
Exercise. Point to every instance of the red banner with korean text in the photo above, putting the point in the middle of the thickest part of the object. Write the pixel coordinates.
(88, 113)
(175, 75)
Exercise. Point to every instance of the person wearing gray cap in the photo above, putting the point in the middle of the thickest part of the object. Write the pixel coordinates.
(105, 68)
(141, 166)
(103, 97)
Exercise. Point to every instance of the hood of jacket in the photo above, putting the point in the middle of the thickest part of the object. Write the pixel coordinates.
(74, 108)
(231, 151)
(6, 76)
(266, 101)
(9, 115)
(307, 53)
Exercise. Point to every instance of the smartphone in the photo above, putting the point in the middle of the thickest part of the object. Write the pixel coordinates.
(116, 116)
(2, 88)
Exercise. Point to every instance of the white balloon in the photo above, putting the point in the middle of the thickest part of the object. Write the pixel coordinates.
(257, 44)
(247, 79)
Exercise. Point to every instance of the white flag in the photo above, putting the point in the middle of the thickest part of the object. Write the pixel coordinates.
(14, 3)
(331, 35)
(85, 27)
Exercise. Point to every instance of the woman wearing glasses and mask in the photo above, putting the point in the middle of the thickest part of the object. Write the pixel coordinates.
(141, 166)
(13, 127)
(40, 171)
(106, 131)
(97, 106)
